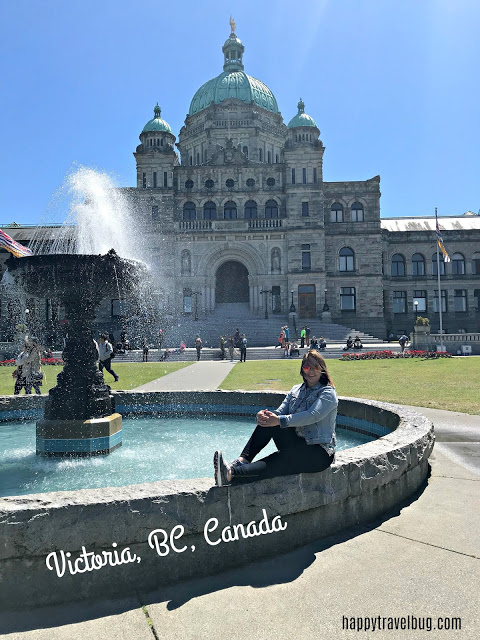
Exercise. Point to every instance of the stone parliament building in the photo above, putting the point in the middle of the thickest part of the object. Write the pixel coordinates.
(240, 213)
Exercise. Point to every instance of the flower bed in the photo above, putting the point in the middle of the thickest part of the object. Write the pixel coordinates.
(381, 355)
(45, 361)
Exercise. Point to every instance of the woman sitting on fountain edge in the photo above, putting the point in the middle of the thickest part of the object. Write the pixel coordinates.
(302, 428)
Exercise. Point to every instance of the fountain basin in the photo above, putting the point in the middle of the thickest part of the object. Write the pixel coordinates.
(362, 484)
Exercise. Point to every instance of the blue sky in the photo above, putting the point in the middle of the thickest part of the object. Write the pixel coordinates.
(393, 87)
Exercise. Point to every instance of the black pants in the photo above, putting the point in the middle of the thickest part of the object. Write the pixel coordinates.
(243, 354)
(294, 455)
(107, 364)
(199, 351)
(302, 342)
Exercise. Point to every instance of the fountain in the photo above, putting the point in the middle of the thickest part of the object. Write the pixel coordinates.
(80, 417)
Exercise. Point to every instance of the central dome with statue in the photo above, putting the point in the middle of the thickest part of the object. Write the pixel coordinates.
(233, 82)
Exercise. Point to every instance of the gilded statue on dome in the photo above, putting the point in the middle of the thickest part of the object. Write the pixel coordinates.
(232, 24)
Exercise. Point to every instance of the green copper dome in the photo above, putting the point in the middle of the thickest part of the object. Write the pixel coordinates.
(157, 124)
(233, 82)
(302, 119)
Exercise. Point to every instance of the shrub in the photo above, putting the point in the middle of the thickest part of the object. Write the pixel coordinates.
(381, 355)
(422, 322)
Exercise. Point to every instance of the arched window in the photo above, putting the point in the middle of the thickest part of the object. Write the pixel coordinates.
(398, 265)
(186, 263)
(346, 259)
(189, 211)
(161, 142)
(336, 212)
(230, 210)
(458, 264)
(251, 209)
(271, 209)
(260, 155)
(357, 212)
(190, 161)
(434, 265)
(418, 265)
(276, 260)
(209, 211)
(245, 151)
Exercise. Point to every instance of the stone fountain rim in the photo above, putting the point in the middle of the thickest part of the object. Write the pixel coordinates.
(411, 429)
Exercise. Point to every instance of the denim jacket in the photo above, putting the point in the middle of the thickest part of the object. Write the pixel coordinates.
(312, 411)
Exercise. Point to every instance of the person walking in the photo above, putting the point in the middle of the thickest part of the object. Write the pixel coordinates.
(105, 351)
(243, 348)
(29, 372)
(307, 336)
(231, 347)
(286, 331)
(402, 341)
(302, 428)
(198, 346)
(302, 338)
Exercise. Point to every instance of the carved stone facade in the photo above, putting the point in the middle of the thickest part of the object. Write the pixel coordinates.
(241, 213)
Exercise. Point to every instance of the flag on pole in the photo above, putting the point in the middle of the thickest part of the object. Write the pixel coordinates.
(8, 243)
(446, 257)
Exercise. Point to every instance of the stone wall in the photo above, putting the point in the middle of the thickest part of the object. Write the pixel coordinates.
(189, 515)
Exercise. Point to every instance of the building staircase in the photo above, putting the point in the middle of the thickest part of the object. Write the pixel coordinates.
(260, 332)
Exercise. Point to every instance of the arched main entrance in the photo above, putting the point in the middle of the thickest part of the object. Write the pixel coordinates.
(231, 282)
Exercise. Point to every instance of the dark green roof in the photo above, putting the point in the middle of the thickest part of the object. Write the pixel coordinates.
(302, 119)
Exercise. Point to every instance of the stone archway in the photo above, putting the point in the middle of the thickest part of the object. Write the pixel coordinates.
(231, 282)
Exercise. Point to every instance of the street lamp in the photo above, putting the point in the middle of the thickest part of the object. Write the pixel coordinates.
(196, 294)
(293, 309)
(415, 304)
(266, 292)
(325, 306)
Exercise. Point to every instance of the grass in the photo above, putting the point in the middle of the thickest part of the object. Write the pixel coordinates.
(131, 375)
(452, 384)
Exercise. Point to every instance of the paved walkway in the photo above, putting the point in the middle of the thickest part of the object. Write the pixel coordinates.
(421, 561)
(199, 376)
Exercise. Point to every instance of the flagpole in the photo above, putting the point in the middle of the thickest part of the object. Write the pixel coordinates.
(442, 348)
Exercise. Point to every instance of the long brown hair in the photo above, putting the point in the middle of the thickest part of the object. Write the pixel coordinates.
(325, 376)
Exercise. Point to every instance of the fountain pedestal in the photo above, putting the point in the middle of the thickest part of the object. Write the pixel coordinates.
(80, 417)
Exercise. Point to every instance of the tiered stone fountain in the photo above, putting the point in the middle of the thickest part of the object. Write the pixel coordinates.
(80, 417)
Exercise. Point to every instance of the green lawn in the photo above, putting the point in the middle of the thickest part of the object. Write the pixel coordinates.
(452, 384)
(131, 375)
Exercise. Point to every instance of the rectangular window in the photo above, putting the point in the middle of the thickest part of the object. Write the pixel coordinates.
(187, 304)
(155, 213)
(306, 258)
(476, 299)
(154, 179)
(420, 297)
(347, 299)
(357, 215)
(460, 300)
(305, 209)
(399, 302)
(115, 308)
(144, 180)
(293, 176)
(165, 179)
(336, 215)
(435, 301)
(314, 175)
(304, 176)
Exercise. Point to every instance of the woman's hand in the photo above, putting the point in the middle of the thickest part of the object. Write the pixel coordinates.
(266, 418)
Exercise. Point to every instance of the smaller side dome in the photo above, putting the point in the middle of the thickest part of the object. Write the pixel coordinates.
(157, 124)
(302, 119)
